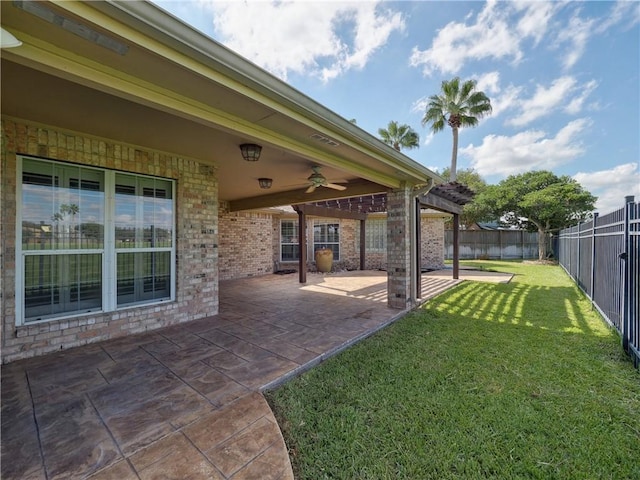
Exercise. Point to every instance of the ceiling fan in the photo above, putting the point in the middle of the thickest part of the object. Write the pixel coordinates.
(318, 180)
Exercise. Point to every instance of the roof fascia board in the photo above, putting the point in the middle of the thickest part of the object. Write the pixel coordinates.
(250, 79)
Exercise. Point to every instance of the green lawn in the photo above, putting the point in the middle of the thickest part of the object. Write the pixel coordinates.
(518, 380)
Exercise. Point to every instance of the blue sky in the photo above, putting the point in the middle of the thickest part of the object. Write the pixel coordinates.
(563, 77)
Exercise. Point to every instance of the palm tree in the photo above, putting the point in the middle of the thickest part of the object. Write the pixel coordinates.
(459, 105)
(399, 136)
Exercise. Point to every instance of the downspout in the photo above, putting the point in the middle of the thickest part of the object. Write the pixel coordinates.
(416, 270)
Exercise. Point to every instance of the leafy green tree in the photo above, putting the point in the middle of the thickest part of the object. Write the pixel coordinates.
(458, 105)
(399, 136)
(473, 212)
(540, 201)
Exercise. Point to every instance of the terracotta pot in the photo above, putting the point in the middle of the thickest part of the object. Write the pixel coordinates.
(324, 259)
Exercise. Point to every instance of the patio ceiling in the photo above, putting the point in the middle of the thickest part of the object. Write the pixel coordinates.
(144, 78)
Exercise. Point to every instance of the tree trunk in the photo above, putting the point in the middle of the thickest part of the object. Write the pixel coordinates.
(454, 156)
(542, 244)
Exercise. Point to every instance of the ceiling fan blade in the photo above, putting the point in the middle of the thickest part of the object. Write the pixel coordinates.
(310, 189)
(335, 186)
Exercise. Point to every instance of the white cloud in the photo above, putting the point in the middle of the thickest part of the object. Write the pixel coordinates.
(488, 83)
(576, 104)
(506, 100)
(576, 34)
(536, 14)
(429, 138)
(530, 150)
(623, 12)
(324, 39)
(497, 33)
(564, 93)
(612, 185)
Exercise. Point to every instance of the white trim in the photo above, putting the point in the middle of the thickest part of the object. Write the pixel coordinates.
(19, 260)
(108, 251)
(280, 243)
(326, 221)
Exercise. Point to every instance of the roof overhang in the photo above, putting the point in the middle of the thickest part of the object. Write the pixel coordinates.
(166, 86)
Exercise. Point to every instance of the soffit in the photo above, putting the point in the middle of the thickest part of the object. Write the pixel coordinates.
(209, 117)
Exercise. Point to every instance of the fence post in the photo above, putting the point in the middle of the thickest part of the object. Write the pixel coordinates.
(579, 254)
(626, 257)
(592, 294)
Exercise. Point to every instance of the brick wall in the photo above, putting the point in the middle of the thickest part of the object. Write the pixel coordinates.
(432, 245)
(196, 239)
(246, 243)
(398, 252)
(349, 242)
(432, 242)
(349, 245)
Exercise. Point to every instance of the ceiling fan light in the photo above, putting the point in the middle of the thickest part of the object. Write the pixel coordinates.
(250, 152)
(265, 182)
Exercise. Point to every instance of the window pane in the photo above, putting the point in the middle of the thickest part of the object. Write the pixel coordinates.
(61, 284)
(376, 234)
(289, 231)
(327, 235)
(62, 206)
(290, 253)
(289, 250)
(143, 277)
(144, 212)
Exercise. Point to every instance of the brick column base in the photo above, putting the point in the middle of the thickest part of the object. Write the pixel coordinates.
(398, 248)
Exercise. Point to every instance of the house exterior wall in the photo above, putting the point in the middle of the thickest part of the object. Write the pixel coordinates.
(196, 239)
(349, 243)
(246, 243)
(432, 244)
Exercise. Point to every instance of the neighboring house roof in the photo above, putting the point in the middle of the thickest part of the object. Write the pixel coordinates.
(132, 72)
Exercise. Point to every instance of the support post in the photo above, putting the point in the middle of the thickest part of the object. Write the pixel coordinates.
(363, 243)
(591, 293)
(418, 248)
(456, 247)
(302, 246)
(399, 250)
(626, 324)
(579, 253)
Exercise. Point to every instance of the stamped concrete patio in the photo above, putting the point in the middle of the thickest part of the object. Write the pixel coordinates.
(184, 402)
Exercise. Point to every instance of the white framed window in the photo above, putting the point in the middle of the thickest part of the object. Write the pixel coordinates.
(289, 247)
(376, 235)
(91, 240)
(327, 235)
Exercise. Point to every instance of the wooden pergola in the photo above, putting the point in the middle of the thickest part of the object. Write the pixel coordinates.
(449, 198)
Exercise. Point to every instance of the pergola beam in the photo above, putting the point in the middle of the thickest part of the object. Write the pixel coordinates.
(329, 212)
(438, 203)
